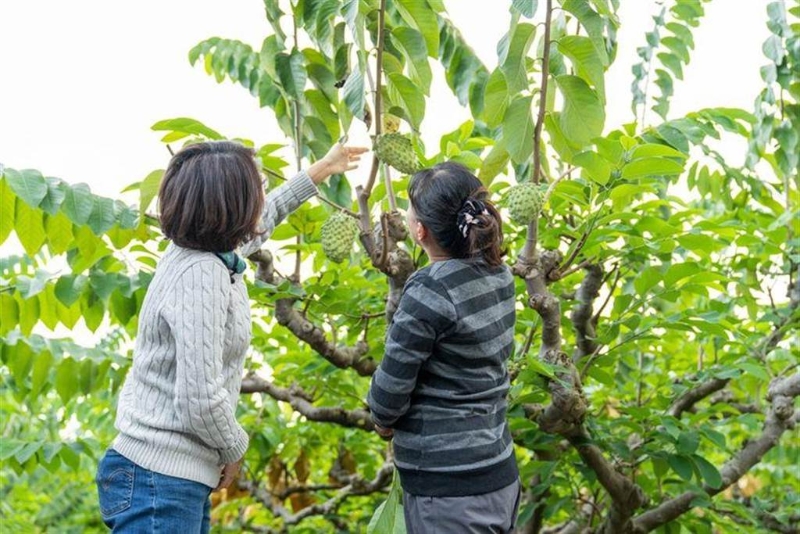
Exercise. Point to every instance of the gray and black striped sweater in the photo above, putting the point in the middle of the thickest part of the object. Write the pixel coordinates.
(443, 382)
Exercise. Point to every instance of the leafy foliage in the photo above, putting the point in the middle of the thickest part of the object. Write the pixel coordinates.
(674, 276)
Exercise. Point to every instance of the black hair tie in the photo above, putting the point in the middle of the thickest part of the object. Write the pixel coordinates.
(468, 215)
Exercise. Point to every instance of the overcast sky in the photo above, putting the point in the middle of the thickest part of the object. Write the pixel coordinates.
(83, 80)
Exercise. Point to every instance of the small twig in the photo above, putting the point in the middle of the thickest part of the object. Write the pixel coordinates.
(169, 149)
(373, 173)
(339, 207)
(573, 269)
(385, 232)
(387, 177)
(618, 274)
(537, 134)
(554, 183)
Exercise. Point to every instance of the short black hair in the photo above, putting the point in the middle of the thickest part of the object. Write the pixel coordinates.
(211, 196)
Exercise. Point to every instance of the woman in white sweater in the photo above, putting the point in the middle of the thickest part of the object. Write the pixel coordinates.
(178, 435)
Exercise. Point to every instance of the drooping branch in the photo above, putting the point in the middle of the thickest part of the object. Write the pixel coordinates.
(780, 418)
(303, 404)
(356, 486)
(288, 316)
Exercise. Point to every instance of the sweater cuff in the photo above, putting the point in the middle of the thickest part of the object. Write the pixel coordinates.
(302, 187)
(236, 453)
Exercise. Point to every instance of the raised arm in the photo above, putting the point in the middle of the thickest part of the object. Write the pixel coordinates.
(286, 198)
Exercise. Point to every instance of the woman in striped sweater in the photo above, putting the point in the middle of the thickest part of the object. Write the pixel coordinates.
(440, 391)
(178, 435)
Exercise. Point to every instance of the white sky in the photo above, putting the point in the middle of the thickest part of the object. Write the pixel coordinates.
(83, 81)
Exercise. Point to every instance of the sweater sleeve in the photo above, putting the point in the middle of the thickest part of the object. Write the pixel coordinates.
(201, 296)
(279, 203)
(424, 312)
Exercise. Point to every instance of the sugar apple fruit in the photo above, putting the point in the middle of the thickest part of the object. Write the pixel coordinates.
(338, 235)
(396, 150)
(524, 202)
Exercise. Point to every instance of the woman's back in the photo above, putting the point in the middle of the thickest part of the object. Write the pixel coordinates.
(454, 428)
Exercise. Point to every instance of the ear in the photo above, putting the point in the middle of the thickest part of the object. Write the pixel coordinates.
(421, 232)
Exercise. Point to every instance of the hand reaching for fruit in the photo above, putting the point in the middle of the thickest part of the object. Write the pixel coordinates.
(340, 158)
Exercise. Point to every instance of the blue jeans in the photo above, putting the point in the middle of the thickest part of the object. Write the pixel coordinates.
(136, 500)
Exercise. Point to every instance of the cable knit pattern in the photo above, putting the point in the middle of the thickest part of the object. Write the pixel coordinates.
(176, 412)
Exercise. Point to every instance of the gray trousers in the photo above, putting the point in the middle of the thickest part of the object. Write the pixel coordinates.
(490, 513)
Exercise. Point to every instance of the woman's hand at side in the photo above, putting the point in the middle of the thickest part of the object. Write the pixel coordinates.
(340, 158)
(228, 475)
(385, 433)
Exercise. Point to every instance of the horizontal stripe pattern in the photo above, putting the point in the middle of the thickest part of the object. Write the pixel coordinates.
(443, 382)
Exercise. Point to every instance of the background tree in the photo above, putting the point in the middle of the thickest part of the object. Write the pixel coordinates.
(655, 371)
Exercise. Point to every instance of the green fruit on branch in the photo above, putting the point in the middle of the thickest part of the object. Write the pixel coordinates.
(524, 202)
(338, 235)
(396, 150)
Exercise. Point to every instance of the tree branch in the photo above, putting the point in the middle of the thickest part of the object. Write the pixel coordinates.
(780, 417)
(689, 398)
(303, 404)
(582, 318)
(288, 316)
(356, 486)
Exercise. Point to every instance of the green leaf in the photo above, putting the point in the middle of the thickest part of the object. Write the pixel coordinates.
(681, 465)
(651, 167)
(69, 288)
(583, 116)
(514, 63)
(419, 15)
(78, 203)
(59, 233)
(494, 163)
(495, 100)
(29, 226)
(405, 94)
(353, 93)
(25, 453)
(388, 518)
(412, 43)
(526, 8)
(187, 127)
(646, 280)
(292, 73)
(708, 471)
(103, 216)
(7, 202)
(56, 192)
(29, 185)
(518, 130)
(41, 369)
(581, 51)
(597, 168)
(9, 313)
(67, 379)
(148, 189)
(592, 22)
(649, 150)
(688, 442)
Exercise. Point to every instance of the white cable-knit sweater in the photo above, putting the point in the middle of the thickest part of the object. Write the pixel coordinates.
(176, 412)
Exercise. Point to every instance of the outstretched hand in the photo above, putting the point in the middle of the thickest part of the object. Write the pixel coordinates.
(340, 158)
